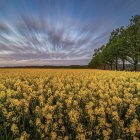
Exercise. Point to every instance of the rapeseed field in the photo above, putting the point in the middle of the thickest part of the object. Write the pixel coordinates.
(65, 104)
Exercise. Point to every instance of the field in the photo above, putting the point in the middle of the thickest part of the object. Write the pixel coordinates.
(43, 104)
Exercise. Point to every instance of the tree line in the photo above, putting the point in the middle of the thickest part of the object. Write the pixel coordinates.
(123, 47)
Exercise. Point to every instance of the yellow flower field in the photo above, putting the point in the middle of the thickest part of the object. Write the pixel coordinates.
(64, 104)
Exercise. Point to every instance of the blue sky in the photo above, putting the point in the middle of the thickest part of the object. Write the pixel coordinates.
(58, 32)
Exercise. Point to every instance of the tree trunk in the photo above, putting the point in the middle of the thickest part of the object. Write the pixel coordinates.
(104, 67)
(116, 63)
(123, 61)
(135, 67)
(111, 66)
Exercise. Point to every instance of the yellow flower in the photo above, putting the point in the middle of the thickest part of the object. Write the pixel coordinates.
(66, 138)
(106, 133)
(74, 116)
(53, 135)
(38, 122)
(63, 129)
(15, 102)
(133, 129)
(79, 128)
(24, 136)
(138, 86)
(14, 129)
(49, 116)
(81, 136)
(115, 115)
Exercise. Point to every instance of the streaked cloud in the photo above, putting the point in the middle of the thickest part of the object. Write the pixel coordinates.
(44, 32)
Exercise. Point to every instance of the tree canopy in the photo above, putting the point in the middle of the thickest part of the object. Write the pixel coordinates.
(123, 46)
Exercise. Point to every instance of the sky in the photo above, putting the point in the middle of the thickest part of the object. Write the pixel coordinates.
(58, 32)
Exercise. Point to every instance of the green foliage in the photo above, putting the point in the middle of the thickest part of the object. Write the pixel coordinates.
(123, 45)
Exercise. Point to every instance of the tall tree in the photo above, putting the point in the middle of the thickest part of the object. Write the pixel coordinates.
(114, 44)
(124, 45)
(133, 41)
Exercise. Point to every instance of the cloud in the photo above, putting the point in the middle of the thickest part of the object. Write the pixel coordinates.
(4, 27)
(60, 32)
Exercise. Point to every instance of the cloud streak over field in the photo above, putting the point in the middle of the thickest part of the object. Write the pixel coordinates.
(58, 32)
